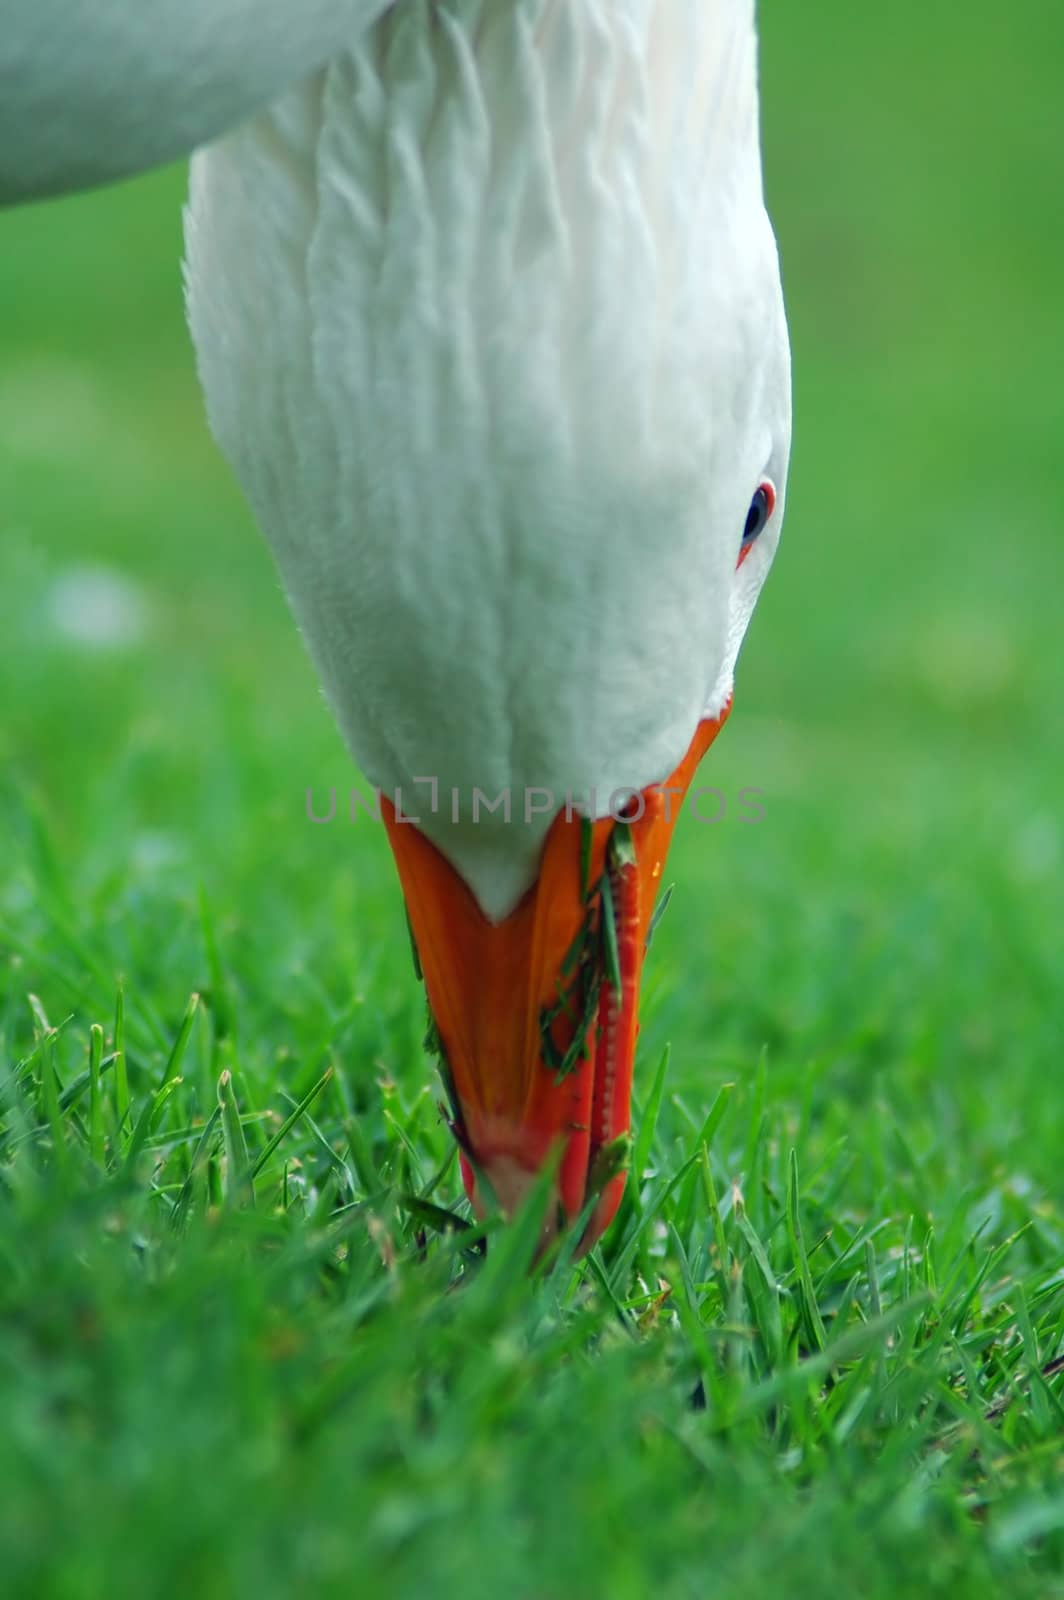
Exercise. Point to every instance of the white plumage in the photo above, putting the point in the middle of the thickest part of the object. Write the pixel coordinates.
(489, 322)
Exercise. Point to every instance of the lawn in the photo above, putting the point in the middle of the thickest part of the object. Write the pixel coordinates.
(821, 1348)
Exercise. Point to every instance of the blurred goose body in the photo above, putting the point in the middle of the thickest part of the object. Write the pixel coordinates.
(93, 90)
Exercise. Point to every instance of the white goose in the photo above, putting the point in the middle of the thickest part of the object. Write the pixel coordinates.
(489, 321)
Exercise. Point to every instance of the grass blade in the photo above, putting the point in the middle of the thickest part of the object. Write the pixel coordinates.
(240, 1187)
(290, 1121)
(180, 1044)
(50, 1099)
(96, 1136)
(182, 1203)
(122, 1102)
(649, 1122)
(807, 1294)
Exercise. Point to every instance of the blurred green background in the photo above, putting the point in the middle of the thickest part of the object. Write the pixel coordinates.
(896, 915)
(886, 942)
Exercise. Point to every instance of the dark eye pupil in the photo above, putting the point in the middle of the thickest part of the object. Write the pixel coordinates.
(756, 517)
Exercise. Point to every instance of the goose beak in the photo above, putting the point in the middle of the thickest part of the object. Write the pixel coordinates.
(536, 1017)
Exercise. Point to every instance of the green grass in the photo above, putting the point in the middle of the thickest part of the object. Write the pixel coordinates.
(821, 1347)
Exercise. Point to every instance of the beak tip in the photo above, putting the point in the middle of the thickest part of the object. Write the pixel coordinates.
(503, 1182)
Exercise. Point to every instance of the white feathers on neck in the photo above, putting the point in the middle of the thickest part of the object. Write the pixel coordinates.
(489, 322)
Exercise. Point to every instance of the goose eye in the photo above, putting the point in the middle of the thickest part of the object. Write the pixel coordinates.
(761, 509)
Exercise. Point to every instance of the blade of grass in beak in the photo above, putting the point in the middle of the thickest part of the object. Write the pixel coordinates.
(586, 837)
(610, 950)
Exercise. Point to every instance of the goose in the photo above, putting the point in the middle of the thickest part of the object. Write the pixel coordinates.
(488, 317)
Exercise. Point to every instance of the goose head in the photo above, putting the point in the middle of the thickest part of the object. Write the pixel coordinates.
(489, 322)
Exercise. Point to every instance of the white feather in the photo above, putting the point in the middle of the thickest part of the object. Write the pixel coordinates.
(489, 321)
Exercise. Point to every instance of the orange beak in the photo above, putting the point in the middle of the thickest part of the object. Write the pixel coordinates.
(537, 1015)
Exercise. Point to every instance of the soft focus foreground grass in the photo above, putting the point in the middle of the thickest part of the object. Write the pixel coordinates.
(771, 1376)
